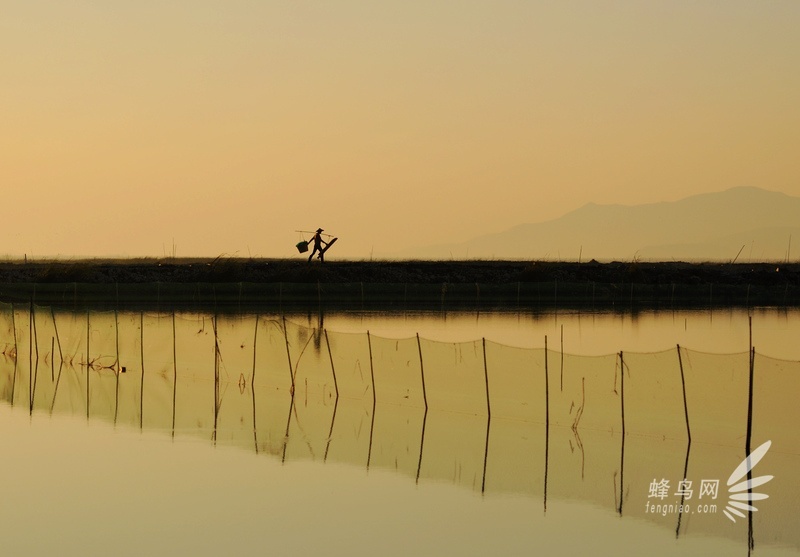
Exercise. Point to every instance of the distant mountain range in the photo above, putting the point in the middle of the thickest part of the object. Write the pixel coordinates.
(743, 223)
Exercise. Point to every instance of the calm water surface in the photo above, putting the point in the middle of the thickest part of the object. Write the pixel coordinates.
(203, 446)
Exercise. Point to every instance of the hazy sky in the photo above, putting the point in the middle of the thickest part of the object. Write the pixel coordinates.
(223, 127)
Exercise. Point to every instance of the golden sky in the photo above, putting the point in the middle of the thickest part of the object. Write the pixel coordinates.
(222, 127)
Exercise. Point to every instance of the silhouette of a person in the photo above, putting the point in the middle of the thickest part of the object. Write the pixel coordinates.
(318, 241)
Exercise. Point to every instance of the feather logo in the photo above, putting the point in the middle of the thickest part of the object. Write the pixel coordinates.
(740, 495)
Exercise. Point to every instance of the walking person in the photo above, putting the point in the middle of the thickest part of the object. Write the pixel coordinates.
(318, 241)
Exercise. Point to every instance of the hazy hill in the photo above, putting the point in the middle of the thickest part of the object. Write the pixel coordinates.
(714, 226)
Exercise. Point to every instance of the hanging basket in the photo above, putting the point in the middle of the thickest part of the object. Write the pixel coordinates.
(302, 247)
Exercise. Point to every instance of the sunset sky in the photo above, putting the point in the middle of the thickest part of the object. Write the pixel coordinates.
(127, 128)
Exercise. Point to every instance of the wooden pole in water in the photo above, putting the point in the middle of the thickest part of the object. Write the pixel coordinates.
(141, 386)
(16, 353)
(87, 364)
(685, 404)
(422, 373)
(174, 373)
(562, 358)
(55, 389)
(421, 444)
(371, 370)
(116, 339)
(36, 345)
(55, 328)
(288, 355)
(374, 399)
(30, 358)
(253, 386)
(52, 359)
(486, 377)
(622, 449)
(35, 334)
(255, 342)
(750, 393)
(14, 328)
(683, 495)
(689, 442)
(330, 432)
(116, 363)
(333, 369)
(622, 391)
(751, 541)
(488, 417)
(425, 414)
(288, 426)
(546, 422)
(546, 386)
(216, 378)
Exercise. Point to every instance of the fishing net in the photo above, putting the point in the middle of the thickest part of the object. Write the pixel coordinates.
(480, 414)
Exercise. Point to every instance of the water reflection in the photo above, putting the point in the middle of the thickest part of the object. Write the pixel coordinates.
(492, 418)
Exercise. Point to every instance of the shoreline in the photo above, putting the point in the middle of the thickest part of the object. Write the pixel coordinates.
(391, 285)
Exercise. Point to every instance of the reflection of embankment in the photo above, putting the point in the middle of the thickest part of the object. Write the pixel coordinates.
(489, 417)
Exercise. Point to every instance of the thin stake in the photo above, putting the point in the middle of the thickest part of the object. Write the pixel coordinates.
(87, 364)
(374, 399)
(738, 253)
(35, 334)
(562, 358)
(16, 353)
(488, 418)
(622, 391)
(333, 369)
(253, 386)
(371, 369)
(622, 449)
(30, 358)
(422, 374)
(55, 328)
(288, 355)
(35, 378)
(52, 359)
(750, 393)
(486, 377)
(486, 454)
(683, 494)
(330, 433)
(685, 405)
(174, 374)
(116, 334)
(116, 364)
(14, 327)
(546, 422)
(216, 378)
(55, 389)
(751, 541)
(421, 444)
(546, 386)
(255, 342)
(288, 426)
(141, 387)
(255, 424)
(31, 380)
(789, 249)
